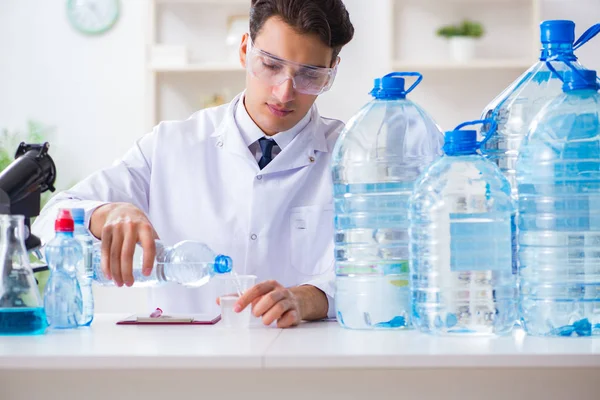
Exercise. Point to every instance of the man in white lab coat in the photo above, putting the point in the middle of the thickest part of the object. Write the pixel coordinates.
(251, 178)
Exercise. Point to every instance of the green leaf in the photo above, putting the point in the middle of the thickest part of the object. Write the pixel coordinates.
(466, 29)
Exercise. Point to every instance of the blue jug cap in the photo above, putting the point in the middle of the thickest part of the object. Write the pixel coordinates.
(223, 264)
(389, 88)
(580, 80)
(460, 142)
(392, 86)
(78, 215)
(557, 31)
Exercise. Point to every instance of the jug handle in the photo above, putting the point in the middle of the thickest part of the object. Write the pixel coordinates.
(403, 74)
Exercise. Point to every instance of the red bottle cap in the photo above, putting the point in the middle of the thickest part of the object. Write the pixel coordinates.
(64, 221)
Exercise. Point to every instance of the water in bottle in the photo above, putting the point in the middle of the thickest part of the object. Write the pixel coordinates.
(85, 272)
(62, 296)
(188, 263)
(21, 307)
(376, 161)
(461, 264)
(513, 110)
(558, 173)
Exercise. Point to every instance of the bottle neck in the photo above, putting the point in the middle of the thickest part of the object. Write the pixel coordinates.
(582, 92)
(12, 230)
(80, 228)
(461, 153)
(564, 50)
(64, 234)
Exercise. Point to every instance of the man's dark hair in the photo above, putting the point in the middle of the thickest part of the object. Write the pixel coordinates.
(328, 19)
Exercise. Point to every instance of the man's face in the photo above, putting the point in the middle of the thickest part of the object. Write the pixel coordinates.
(278, 108)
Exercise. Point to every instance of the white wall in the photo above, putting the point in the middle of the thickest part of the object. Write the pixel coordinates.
(92, 88)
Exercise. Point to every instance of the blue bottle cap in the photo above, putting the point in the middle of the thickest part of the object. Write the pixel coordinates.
(460, 142)
(557, 31)
(583, 79)
(389, 88)
(78, 215)
(223, 264)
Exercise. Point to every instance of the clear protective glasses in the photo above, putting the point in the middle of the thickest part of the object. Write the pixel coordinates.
(274, 71)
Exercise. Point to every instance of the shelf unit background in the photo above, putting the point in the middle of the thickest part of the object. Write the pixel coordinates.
(175, 92)
(451, 92)
(510, 45)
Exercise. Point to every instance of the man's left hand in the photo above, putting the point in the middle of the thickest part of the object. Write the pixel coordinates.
(273, 302)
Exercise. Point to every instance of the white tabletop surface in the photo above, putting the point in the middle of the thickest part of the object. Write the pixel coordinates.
(326, 345)
(311, 345)
(107, 345)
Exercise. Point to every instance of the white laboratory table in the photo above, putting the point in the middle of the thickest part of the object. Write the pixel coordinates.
(313, 361)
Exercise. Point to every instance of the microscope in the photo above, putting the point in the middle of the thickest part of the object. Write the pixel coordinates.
(21, 185)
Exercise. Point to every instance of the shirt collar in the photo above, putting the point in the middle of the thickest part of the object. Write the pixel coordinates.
(251, 132)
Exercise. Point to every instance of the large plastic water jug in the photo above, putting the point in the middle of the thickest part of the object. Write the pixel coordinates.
(558, 175)
(461, 263)
(514, 109)
(380, 154)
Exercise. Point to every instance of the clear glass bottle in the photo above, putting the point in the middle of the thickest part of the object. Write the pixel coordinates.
(21, 308)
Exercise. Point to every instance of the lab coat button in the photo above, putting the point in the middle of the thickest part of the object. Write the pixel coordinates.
(259, 177)
(253, 237)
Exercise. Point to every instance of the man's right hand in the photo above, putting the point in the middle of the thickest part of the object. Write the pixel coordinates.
(121, 226)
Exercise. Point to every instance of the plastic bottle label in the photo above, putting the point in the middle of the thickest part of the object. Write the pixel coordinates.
(480, 244)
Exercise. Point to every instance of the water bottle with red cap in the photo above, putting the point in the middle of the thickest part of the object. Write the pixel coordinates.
(62, 297)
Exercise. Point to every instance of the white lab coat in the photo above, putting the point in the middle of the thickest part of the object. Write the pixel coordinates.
(197, 180)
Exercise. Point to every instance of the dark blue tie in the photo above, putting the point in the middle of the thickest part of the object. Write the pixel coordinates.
(266, 145)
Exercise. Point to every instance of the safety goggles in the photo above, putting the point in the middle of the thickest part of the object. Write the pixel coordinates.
(274, 71)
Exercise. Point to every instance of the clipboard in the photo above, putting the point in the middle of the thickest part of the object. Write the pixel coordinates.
(191, 319)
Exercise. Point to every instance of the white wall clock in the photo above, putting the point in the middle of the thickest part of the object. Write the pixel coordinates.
(93, 17)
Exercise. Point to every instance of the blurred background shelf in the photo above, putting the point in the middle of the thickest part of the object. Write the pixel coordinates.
(210, 2)
(192, 59)
(509, 45)
(471, 65)
(404, 38)
(216, 67)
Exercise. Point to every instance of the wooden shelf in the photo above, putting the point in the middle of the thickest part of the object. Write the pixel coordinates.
(212, 67)
(212, 2)
(471, 65)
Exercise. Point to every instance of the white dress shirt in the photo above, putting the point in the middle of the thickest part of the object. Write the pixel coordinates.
(251, 133)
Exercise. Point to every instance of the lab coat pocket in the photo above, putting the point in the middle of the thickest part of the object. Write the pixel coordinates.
(311, 231)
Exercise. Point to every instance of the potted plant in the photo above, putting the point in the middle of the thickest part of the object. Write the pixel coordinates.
(462, 39)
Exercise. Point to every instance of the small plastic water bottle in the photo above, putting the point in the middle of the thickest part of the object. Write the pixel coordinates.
(514, 109)
(376, 162)
(62, 296)
(558, 174)
(85, 273)
(461, 232)
(187, 263)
